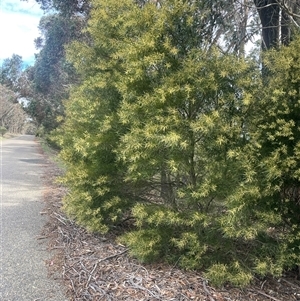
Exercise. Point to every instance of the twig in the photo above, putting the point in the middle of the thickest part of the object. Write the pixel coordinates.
(41, 237)
(264, 294)
(207, 291)
(57, 247)
(290, 283)
(262, 286)
(91, 274)
(72, 283)
(112, 256)
(137, 286)
(60, 220)
(141, 267)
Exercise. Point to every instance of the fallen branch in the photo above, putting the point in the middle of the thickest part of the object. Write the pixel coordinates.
(207, 291)
(290, 283)
(138, 286)
(264, 294)
(112, 256)
(42, 237)
(57, 247)
(91, 274)
(60, 220)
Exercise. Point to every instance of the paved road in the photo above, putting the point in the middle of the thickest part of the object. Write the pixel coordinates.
(23, 273)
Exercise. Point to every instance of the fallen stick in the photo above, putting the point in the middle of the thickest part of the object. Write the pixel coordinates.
(112, 256)
(42, 237)
(208, 292)
(290, 283)
(264, 294)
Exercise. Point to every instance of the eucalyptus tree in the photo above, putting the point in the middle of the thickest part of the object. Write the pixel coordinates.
(12, 115)
(278, 18)
(51, 75)
(10, 72)
(66, 7)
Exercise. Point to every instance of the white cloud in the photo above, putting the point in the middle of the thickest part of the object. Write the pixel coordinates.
(19, 22)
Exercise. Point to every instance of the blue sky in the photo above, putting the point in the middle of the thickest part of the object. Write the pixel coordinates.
(18, 28)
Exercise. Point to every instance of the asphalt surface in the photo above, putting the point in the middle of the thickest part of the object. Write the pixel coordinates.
(23, 271)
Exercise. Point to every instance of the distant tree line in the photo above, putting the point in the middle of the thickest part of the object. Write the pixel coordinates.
(13, 119)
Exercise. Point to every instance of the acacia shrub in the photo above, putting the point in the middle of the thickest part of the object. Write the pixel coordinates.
(170, 131)
(99, 198)
(186, 108)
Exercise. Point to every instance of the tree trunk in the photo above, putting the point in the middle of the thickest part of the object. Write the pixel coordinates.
(269, 14)
(285, 28)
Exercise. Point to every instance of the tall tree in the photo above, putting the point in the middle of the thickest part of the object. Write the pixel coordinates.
(47, 83)
(66, 7)
(12, 115)
(11, 71)
(277, 19)
(51, 75)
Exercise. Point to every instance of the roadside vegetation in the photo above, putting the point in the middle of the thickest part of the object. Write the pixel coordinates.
(173, 133)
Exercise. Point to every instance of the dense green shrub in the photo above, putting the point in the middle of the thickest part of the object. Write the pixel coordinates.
(186, 140)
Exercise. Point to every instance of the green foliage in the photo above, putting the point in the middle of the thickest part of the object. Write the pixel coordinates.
(99, 198)
(186, 109)
(50, 65)
(12, 115)
(66, 7)
(232, 273)
(49, 80)
(146, 245)
(3, 130)
(10, 72)
(279, 136)
(265, 206)
(167, 129)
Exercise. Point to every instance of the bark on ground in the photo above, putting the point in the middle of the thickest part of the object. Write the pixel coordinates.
(95, 267)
